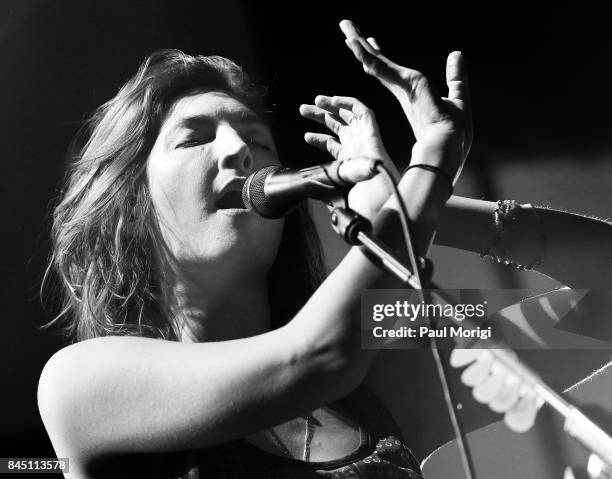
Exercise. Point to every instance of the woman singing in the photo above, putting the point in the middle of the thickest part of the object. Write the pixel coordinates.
(205, 342)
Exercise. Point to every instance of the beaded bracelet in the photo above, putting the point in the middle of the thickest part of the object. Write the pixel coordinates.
(505, 218)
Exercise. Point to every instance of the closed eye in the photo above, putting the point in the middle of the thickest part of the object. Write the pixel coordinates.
(192, 142)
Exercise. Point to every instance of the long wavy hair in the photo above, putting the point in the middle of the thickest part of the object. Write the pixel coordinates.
(104, 226)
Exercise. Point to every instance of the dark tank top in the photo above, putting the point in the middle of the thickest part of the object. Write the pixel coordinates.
(382, 452)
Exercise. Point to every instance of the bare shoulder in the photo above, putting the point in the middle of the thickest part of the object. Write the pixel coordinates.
(78, 377)
(59, 373)
(120, 396)
(106, 352)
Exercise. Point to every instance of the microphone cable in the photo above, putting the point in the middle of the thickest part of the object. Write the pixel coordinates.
(441, 367)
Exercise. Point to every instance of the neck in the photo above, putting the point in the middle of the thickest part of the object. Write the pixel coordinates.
(216, 308)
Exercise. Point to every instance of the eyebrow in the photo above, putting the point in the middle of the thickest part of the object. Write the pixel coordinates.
(242, 118)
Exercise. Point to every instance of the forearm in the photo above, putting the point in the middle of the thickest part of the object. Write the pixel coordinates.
(331, 318)
(467, 224)
(570, 248)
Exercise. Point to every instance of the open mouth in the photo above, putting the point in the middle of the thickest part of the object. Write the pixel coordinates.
(230, 200)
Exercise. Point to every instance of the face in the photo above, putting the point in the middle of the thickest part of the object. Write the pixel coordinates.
(208, 145)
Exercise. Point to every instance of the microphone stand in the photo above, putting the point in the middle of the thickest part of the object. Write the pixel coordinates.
(355, 230)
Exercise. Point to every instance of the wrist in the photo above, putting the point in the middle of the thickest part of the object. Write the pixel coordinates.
(442, 175)
(424, 196)
(442, 150)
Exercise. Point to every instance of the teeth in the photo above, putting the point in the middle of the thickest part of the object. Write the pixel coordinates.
(230, 199)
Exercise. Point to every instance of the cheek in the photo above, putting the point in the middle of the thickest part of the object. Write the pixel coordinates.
(181, 191)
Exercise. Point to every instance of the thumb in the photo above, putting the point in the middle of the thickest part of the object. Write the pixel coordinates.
(456, 78)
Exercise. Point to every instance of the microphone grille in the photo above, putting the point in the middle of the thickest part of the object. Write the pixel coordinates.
(253, 194)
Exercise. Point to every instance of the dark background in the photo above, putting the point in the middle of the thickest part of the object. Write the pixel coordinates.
(540, 86)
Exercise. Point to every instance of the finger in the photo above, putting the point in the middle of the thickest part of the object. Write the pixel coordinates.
(372, 41)
(374, 63)
(336, 111)
(349, 29)
(324, 142)
(325, 102)
(392, 75)
(463, 357)
(379, 65)
(456, 78)
(313, 112)
(522, 416)
(351, 104)
(507, 397)
(487, 389)
(477, 372)
(596, 467)
(346, 115)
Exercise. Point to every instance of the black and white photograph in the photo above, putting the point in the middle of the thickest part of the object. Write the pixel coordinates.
(305, 239)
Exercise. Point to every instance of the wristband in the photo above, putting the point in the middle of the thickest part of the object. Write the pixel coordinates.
(435, 169)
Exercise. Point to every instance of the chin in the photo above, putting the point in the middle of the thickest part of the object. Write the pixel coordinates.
(233, 250)
(232, 240)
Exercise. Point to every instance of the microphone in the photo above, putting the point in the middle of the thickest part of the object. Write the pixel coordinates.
(273, 191)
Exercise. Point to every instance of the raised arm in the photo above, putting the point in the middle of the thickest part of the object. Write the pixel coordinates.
(547, 237)
(540, 237)
(441, 125)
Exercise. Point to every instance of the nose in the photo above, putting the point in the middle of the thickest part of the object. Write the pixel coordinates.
(234, 153)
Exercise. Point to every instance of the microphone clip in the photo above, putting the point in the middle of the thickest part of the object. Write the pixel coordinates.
(348, 224)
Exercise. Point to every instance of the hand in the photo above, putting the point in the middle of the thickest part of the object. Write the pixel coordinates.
(497, 387)
(356, 135)
(442, 126)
